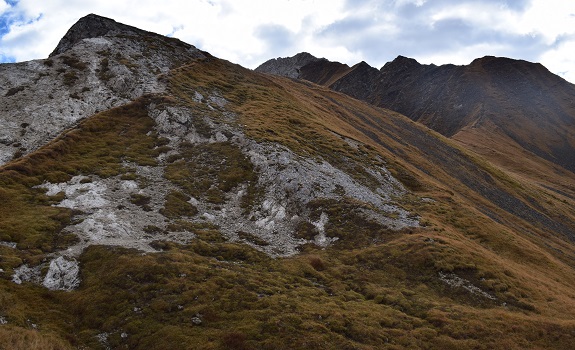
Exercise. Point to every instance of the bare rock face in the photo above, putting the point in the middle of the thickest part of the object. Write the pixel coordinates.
(98, 65)
(91, 26)
(288, 184)
(63, 274)
(288, 66)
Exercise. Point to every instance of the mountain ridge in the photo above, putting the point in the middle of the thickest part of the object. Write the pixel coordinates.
(511, 94)
(35, 110)
(193, 203)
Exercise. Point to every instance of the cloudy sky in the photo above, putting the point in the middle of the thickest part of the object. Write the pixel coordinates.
(250, 32)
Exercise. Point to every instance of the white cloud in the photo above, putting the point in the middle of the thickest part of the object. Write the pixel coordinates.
(224, 28)
(560, 60)
(549, 18)
(235, 32)
(492, 15)
(3, 6)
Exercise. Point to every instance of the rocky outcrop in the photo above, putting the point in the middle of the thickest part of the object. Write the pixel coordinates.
(100, 64)
(288, 183)
(63, 274)
(288, 66)
(93, 26)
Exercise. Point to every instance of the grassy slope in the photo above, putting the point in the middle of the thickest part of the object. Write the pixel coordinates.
(383, 291)
(517, 161)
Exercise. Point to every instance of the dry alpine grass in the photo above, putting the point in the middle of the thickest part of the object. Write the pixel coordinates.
(15, 338)
(374, 289)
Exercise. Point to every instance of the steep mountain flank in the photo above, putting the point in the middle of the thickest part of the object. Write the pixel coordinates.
(230, 209)
(324, 72)
(529, 107)
(98, 64)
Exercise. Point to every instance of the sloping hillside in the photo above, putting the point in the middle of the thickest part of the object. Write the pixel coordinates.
(239, 210)
(512, 112)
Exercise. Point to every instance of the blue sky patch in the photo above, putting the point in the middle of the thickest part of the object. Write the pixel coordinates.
(4, 24)
(6, 59)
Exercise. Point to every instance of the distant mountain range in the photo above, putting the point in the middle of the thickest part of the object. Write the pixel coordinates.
(494, 104)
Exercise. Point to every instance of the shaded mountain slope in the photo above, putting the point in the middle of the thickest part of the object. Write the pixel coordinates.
(528, 105)
(239, 210)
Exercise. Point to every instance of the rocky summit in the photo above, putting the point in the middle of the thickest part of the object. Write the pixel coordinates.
(97, 65)
(153, 196)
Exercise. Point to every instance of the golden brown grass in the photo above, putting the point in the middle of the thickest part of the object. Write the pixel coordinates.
(373, 289)
(17, 338)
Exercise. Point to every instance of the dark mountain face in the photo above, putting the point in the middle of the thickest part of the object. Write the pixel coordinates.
(524, 101)
(322, 71)
(153, 196)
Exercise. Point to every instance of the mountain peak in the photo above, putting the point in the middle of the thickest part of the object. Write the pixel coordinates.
(505, 64)
(493, 61)
(305, 56)
(363, 64)
(91, 26)
(288, 66)
(401, 63)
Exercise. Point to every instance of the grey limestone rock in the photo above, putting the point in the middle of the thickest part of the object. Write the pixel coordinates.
(91, 26)
(63, 274)
(98, 65)
(288, 66)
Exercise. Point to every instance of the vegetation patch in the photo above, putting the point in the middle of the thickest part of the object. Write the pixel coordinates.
(141, 200)
(29, 220)
(223, 295)
(246, 236)
(105, 73)
(73, 62)
(70, 78)
(209, 171)
(408, 179)
(347, 221)
(204, 231)
(99, 145)
(177, 205)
